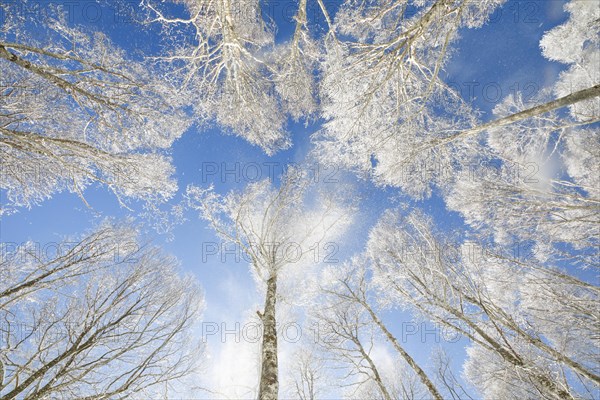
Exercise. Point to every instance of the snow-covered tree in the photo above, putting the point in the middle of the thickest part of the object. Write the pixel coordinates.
(347, 335)
(348, 285)
(295, 63)
(30, 268)
(109, 317)
(390, 116)
(278, 229)
(353, 346)
(224, 52)
(499, 302)
(577, 44)
(533, 184)
(105, 317)
(308, 375)
(382, 93)
(77, 109)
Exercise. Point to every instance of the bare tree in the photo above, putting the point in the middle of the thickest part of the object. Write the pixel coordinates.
(76, 109)
(352, 287)
(345, 334)
(308, 375)
(447, 378)
(390, 116)
(29, 269)
(351, 344)
(276, 228)
(477, 297)
(97, 322)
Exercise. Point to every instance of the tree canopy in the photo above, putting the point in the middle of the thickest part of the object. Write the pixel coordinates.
(437, 213)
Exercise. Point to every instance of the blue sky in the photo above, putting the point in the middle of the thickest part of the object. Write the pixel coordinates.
(503, 54)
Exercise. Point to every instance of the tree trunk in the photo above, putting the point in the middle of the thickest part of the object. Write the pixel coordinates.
(269, 383)
(376, 376)
(576, 97)
(435, 394)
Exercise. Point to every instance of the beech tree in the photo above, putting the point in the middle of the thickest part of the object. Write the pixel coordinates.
(349, 286)
(382, 93)
(109, 317)
(276, 227)
(225, 53)
(77, 109)
(308, 375)
(499, 302)
(522, 198)
(398, 122)
(105, 317)
(352, 346)
(28, 268)
(581, 54)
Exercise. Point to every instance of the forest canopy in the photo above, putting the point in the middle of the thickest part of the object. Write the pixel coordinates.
(304, 199)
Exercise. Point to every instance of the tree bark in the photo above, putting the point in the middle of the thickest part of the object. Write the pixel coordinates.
(409, 360)
(269, 382)
(576, 97)
(65, 85)
(361, 299)
(376, 376)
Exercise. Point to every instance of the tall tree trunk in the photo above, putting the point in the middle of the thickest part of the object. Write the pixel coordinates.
(269, 383)
(435, 394)
(361, 299)
(575, 97)
(376, 376)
